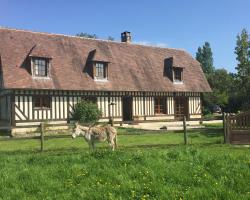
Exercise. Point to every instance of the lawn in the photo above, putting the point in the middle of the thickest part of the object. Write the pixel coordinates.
(147, 165)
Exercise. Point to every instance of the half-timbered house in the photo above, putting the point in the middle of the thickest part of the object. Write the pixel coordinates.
(42, 77)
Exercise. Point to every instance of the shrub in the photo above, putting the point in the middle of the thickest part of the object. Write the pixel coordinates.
(87, 112)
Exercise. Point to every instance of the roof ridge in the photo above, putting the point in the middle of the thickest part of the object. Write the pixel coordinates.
(95, 39)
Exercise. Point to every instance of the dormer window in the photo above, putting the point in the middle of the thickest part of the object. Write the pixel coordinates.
(40, 67)
(100, 70)
(174, 70)
(177, 75)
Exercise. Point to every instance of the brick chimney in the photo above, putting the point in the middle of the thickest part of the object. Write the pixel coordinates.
(126, 37)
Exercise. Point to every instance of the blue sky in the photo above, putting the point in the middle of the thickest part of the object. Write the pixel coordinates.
(176, 24)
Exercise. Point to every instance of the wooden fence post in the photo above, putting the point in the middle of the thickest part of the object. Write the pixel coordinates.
(111, 121)
(42, 136)
(185, 130)
(224, 127)
(228, 128)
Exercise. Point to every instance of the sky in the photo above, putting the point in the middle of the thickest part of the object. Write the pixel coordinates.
(184, 24)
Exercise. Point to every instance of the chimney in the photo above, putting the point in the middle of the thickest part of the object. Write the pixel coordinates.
(126, 37)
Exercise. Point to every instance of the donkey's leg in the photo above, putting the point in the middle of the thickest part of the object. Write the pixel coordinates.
(112, 144)
(93, 145)
(90, 147)
(115, 141)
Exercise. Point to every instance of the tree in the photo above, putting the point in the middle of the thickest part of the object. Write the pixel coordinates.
(87, 35)
(242, 51)
(111, 38)
(222, 83)
(205, 56)
(87, 112)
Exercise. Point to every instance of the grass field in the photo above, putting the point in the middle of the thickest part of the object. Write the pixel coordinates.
(147, 165)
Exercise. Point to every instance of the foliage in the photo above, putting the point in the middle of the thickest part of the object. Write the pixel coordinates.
(227, 90)
(86, 35)
(218, 79)
(86, 112)
(242, 51)
(205, 56)
(94, 36)
(221, 83)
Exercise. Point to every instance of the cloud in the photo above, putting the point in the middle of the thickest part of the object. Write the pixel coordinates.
(147, 43)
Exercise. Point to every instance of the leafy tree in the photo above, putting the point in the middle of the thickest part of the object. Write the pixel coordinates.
(222, 83)
(87, 35)
(87, 112)
(230, 91)
(205, 56)
(242, 51)
(199, 55)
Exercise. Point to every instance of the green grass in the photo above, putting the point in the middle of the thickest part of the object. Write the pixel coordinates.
(214, 125)
(147, 165)
(126, 138)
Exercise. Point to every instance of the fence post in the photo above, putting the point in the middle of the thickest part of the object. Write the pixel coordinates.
(185, 130)
(228, 128)
(224, 127)
(111, 121)
(42, 136)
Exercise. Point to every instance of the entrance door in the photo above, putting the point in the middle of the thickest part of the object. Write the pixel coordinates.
(127, 108)
(181, 107)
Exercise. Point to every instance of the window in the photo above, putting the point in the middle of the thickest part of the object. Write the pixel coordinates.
(177, 74)
(42, 102)
(160, 105)
(90, 99)
(100, 70)
(40, 67)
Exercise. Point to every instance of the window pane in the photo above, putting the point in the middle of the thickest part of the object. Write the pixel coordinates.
(160, 105)
(178, 74)
(90, 99)
(100, 70)
(40, 67)
(37, 102)
(42, 102)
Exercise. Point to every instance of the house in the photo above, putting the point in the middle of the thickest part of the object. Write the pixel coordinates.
(42, 77)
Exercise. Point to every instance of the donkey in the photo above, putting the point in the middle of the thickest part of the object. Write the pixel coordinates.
(96, 134)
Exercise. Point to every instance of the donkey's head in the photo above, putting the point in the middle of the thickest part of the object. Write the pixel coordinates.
(78, 130)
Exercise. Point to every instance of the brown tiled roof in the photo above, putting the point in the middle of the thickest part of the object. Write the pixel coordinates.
(131, 67)
(39, 51)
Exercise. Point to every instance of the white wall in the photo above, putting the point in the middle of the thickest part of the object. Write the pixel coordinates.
(24, 107)
(194, 105)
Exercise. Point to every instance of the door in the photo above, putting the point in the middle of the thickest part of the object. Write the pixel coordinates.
(127, 105)
(181, 107)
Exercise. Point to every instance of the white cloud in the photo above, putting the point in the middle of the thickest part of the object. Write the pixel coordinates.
(147, 43)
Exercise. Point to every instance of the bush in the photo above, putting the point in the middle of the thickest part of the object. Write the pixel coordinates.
(87, 112)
